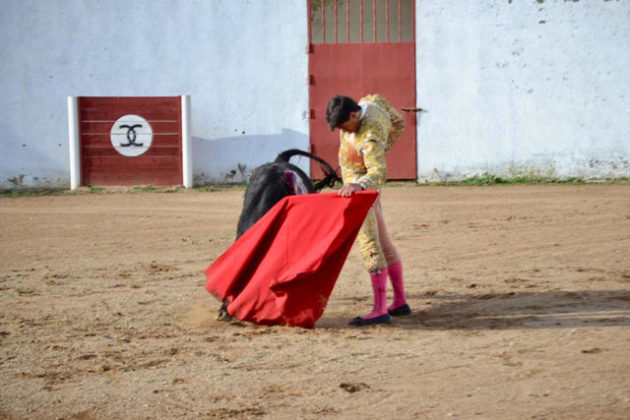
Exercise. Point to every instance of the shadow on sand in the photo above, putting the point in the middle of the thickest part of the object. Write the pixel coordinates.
(510, 310)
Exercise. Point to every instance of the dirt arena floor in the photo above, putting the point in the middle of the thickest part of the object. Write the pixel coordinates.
(520, 296)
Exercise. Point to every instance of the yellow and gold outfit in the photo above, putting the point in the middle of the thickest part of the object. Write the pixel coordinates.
(362, 160)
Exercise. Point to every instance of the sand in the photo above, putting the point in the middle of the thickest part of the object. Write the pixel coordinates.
(520, 297)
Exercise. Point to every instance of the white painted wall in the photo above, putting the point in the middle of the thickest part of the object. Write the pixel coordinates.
(243, 62)
(534, 87)
(510, 87)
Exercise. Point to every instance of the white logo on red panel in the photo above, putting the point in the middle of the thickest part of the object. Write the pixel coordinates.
(131, 135)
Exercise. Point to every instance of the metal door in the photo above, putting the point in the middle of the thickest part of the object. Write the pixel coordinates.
(358, 47)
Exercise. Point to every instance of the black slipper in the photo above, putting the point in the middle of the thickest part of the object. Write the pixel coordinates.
(362, 322)
(401, 310)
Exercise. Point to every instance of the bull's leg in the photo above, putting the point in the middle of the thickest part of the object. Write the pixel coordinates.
(223, 315)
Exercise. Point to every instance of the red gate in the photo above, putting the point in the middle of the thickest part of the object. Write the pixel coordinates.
(130, 140)
(359, 47)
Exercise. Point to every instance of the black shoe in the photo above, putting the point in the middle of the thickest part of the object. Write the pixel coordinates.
(401, 310)
(362, 322)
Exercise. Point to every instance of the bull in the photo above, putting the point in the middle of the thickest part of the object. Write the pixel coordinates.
(275, 180)
(271, 182)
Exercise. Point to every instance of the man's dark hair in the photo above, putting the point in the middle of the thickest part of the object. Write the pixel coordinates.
(339, 109)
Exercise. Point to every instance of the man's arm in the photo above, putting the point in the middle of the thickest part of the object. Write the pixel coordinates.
(374, 158)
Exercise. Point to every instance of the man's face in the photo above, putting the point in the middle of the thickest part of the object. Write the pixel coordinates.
(352, 124)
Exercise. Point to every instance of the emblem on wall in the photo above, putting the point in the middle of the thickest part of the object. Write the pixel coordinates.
(131, 135)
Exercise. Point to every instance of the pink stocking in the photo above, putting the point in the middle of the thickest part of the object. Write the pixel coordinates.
(396, 276)
(379, 287)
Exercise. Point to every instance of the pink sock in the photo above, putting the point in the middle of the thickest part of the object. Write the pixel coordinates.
(379, 287)
(396, 276)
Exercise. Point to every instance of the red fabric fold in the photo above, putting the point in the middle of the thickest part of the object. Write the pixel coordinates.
(283, 269)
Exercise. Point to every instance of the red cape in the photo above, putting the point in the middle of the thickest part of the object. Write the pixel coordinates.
(283, 269)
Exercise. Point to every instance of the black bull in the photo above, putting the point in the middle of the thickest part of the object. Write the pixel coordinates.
(275, 180)
(271, 182)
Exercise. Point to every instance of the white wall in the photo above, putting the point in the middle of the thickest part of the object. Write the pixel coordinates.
(510, 87)
(243, 62)
(523, 87)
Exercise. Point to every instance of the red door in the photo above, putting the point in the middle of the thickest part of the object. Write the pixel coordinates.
(358, 47)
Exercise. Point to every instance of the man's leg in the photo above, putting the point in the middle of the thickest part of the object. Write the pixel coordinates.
(374, 262)
(394, 265)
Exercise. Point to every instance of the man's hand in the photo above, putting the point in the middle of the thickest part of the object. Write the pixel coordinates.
(349, 189)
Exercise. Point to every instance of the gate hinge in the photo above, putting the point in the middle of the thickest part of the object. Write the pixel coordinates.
(311, 114)
(415, 109)
(309, 49)
(311, 79)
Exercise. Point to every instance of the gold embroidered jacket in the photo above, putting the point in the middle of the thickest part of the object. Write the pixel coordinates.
(362, 153)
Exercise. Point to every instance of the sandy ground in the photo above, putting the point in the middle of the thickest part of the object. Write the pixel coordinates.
(521, 299)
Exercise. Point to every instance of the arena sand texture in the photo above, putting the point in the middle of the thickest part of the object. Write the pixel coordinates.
(521, 299)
